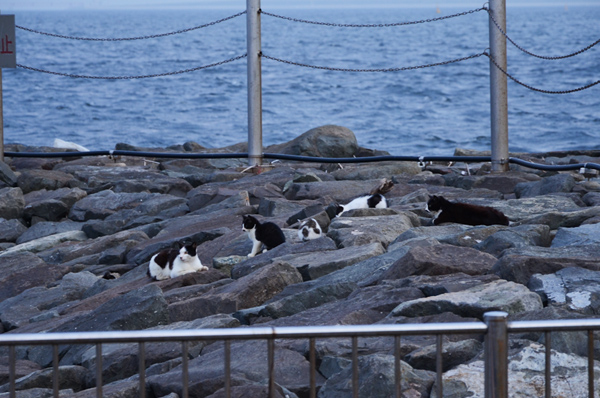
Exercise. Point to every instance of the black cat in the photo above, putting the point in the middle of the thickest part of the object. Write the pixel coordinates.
(267, 235)
(464, 213)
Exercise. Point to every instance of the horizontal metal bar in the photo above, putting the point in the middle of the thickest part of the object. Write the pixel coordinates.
(291, 332)
(554, 325)
(245, 333)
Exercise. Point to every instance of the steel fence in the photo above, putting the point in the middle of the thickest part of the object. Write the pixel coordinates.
(495, 329)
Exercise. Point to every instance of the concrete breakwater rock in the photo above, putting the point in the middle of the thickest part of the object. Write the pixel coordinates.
(76, 235)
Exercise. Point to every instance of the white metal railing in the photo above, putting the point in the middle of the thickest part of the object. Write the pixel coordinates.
(495, 328)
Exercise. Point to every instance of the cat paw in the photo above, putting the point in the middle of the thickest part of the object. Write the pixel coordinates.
(203, 268)
(251, 255)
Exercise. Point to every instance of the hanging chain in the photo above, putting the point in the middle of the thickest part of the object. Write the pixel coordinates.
(133, 38)
(373, 70)
(372, 25)
(537, 89)
(535, 55)
(133, 77)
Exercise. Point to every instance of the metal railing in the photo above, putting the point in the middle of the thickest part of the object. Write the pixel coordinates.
(495, 328)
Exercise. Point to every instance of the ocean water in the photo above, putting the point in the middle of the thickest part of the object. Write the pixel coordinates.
(427, 111)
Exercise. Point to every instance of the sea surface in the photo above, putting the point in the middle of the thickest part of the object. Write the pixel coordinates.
(425, 111)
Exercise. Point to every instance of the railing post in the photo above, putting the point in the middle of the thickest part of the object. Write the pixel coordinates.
(496, 355)
(254, 83)
(498, 88)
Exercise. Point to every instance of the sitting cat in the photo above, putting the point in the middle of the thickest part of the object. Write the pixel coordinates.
(267, 235)
(172, 263)
(362, 202)
(309, 229)
(464, 213)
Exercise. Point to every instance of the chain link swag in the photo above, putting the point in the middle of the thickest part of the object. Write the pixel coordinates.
(133, 77)
(133, 38)
(373, 70)
(535, 55)
(384, 25)
(537, 89)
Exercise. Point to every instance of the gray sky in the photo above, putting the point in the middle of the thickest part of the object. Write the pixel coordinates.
(8, 6)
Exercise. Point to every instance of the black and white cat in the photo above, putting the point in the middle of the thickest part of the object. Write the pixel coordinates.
(172, 263)
(464, 213)
(265, 235)
(309, 229)
(377, 201)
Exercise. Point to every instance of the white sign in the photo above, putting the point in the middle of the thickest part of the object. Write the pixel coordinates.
(8, 47)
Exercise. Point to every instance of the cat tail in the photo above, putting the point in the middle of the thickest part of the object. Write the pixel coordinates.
(383, 188)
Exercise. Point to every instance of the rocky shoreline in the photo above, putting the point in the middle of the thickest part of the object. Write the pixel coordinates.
(76, 235)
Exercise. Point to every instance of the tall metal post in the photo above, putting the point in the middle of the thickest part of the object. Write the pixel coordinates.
(496, 355)
(498, 89)
(255, 153)
(1, 121)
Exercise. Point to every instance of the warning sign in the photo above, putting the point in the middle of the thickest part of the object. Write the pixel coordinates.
(8, 47)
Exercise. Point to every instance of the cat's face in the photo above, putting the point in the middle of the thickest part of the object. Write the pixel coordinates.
(434, 203)
(186, 253)
(248, 223)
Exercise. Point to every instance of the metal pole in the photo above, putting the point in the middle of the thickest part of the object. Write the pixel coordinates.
(254, 83)
(496, 355)
(1, 121)
(498, 89)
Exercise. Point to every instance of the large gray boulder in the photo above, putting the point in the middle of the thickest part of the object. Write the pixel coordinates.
(47, 228)
(520, 264)
(356, 231)
(286, 252)
(7, 176)
(22, 271)
(502, 182)
(526, 375)
(46, 243)
(51, 205)
(293, 303)
(453, 354)
(588, 234)
(120, 361)
(248, 291)
(76, 378)
(530, 208)
(139, 309)
(553, 184)
(249, 363)
(440, 260)
(339, 191)
(378, 379)
(37, 180)
(474, 302)
(563, 219)
(515, 237)
(104, 203)
(315, 265)
(11, 230)
(123, 178)
(38, 301)
(12, 203)
(326, 141)
(154, 208)
(576, 288)
(110, 249)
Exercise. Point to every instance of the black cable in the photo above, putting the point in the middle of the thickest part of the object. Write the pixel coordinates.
(280, 156)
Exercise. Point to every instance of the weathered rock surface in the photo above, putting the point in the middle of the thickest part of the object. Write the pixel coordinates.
(76, 236)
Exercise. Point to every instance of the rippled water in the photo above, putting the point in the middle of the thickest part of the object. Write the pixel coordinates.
(428, 111)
